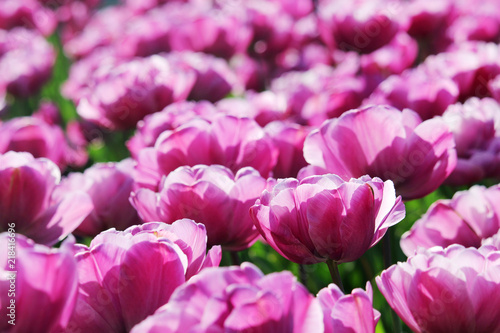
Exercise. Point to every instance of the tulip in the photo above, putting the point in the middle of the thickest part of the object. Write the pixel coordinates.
(476, 130)
(384, 142)
(41, 139)
(45, 285)
(361, 25)
(29, 14)
(237, 299)
(421, 89)
(289, 139)
(109, 186)
(446, 290)
(226, 140)
(27, 199)
(468, 218)
(324, 218)
(214, 78)
(348, 313)
(125, 276)
(22, 73)
(211, 195)
(132, 90)
(171, 117)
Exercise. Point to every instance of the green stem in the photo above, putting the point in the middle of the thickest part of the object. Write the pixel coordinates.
(235, 258)
(334, 272)
(386, 249)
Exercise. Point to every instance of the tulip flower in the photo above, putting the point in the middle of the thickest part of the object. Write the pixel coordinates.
(171, 117)
(125, 276)
(41, 139)
(446, 290)
(41, 294)
(132, 90)
(360, 25)
(476, 130)
(384, 142)
(237, 299)
(324, 218)
(348, 313)
(24, 74)
(211, 195)
(29, 14)
(226, 140)
(27, 199)
(109, 186)
(468, 218)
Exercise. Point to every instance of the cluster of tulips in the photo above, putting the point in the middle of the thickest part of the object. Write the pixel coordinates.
(155, 154)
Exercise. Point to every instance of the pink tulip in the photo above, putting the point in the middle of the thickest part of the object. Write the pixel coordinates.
(171, 117)
(27, 13)
(238, 299)
(360, 25)
(132, 90)
(26, 61)
(476, 130)
(289, 139)
(214, 78)
(125, 276)
(109, 186)
(229, 141)
(348, 313)
(384, 142)
(325, 218)
(446, 290)
(44, 290)
(468, 218)
(26, 199)
(421, 89)
(41, 139)
(211, 195)
(427, 19)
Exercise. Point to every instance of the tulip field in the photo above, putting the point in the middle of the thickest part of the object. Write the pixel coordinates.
(248, 166)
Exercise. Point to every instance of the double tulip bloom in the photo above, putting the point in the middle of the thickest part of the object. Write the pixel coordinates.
(446, 290)
(384, 142)
(242, 299)
(324, 218)
(468, 218)
(124, 276)
(45, 217)
(212, 195)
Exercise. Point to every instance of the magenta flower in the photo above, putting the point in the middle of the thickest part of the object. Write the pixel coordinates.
(41, 139)
(325, 218)
(427, 19)
(26, 199)
(214, 78)
(348, 313)
(211, 195)
(421, 89)
(468, 218)
(26, 61)
(27, 13)
(322, 92)
(289, 139)
(263, 107)
(171, 117)
(125, 276)
(45, 285)
(476, 130)
(227, 140)
(109, 186)
(132, 90)
(361, 25)
(238, 299)
(384, 142)
(446, 290)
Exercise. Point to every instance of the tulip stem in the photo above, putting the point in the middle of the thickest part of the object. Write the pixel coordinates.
(235, 258)
(334, 272)
(386, 249)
